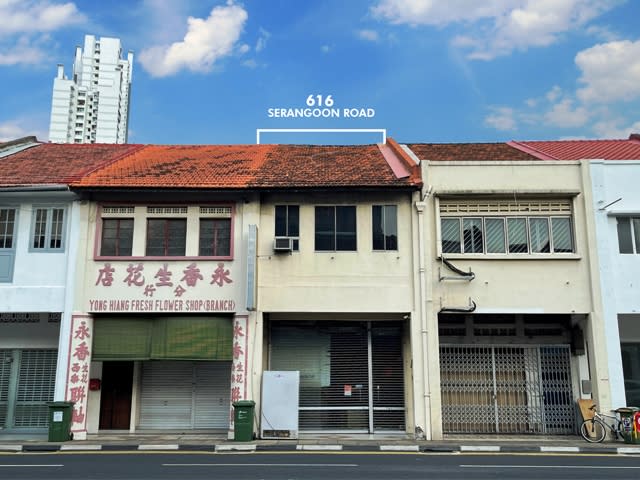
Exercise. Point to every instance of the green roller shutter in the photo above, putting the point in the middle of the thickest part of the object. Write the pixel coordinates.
(122, 339)
(167, 338)
(199, 338)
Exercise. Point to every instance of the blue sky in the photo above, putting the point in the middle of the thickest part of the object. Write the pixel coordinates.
(208, 71)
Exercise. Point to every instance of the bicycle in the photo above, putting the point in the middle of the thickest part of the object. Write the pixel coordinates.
(594, 430)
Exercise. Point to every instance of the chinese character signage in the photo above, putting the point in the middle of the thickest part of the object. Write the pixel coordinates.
(239, 365)
(78, 370)
(163, 287)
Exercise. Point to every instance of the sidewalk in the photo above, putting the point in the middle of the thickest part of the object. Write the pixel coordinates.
(354, 443)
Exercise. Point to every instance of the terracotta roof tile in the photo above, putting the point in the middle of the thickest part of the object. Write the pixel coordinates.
(53, 163)
(247, 166)
(468, 151)
(582, 149)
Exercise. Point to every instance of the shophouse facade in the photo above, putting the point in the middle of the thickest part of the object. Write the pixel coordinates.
(202, 267)
(614, 173)
(511, 302)
(38, 247)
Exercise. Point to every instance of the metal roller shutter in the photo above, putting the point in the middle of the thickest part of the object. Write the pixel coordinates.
(185, 395)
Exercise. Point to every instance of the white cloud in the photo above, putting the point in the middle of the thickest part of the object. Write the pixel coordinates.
(17, 128)
(564, 115)
(206, 41)
(325, 48)
(22, 52)
(501, 118)
(610, 72)
(33, 16)
(369, 35)
(496, 27)
(612, 129)
(261, 44)
(553, 94)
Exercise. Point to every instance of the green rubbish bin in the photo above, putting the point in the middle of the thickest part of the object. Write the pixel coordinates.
(243, 420)
(630, 417)
(60, 421)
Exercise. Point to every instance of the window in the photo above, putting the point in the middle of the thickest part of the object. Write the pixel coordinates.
(166, 237)
(117, 237)
(629, 234)
(385, 227)
(335, 228)
(513, 235)
(215, 237)
(48, 227)
(7, 223)
(288, 223)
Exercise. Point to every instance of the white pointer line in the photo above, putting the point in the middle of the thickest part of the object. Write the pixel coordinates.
(260, 465)
(546, 466)
(43, 465)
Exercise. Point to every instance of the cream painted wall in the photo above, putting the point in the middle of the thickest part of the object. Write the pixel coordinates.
(354, 281)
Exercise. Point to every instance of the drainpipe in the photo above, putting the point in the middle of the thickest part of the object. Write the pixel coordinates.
(426, 393)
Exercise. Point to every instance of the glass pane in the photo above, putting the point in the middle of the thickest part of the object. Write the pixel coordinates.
(636, 233)
(346, 228)
(40, 228)
(450, 235)
(391, 227)
(125, 237)
(177, 237)
(109, 235)
(495, 235)
(625, 242)
(7, 219)
(325, 229)
(562, 236)
(539, 231)
(155, 237)
(472, 232)
(57, 220)
(281, 221)
(377, 227)
(215, 236)
(293, 220)
(517, 232)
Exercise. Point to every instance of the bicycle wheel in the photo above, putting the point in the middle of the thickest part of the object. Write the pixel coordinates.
(593, 430)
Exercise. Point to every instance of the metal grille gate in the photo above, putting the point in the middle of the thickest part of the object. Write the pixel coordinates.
(506, 389)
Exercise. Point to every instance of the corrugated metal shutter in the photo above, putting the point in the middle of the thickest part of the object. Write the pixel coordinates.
(388, 378)
(6, 359)
(211, 402)
(185, 395)
(36, 382)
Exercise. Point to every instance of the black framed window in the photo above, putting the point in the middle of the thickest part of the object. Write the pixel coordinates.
(288, 223)
(166, 237)
(215, 237)
(628, 234)
(117, 237)
(385, 227)
(335, 228)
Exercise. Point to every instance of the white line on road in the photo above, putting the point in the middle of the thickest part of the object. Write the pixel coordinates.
(42, 465)
(260, 465)
(546, 466)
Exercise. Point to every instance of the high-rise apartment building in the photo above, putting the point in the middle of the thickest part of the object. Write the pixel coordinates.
(93, 105)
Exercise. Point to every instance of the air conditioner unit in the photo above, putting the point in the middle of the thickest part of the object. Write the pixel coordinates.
(283, 244)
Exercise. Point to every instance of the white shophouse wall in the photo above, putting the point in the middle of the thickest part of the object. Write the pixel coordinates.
(613, 180)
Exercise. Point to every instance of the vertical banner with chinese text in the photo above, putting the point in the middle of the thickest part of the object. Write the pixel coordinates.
(80, 345)
(240, 371)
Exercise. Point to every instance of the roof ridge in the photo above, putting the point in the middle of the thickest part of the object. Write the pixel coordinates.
(526, 148)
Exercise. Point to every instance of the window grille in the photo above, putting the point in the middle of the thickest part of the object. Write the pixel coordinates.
(505, 207)
(224, 212)
(127, 210)
(167, 210)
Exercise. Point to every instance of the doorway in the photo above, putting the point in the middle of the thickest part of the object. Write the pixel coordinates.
(115, 397)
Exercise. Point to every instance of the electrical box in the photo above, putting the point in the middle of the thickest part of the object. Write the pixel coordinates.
(280, 404)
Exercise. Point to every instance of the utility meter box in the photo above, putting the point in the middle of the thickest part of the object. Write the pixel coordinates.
(280, 404)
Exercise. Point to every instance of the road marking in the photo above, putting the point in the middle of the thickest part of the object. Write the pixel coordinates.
(547, 466)
(319, 447)
(399, 448)
(158, 447)
(73, 448)
(42, 465)
(559, 449)
(260, 465)
(479, 448)
(11, 448)
(628, 450)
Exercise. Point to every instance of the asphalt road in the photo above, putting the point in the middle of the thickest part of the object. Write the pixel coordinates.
(311, 466)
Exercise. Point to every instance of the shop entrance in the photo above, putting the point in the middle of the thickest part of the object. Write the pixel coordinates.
(351, 373)
(115, 396)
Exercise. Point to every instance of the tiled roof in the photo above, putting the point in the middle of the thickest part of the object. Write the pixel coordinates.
(57, 164)
(582, 149)
(248, 166)
(468, 151)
